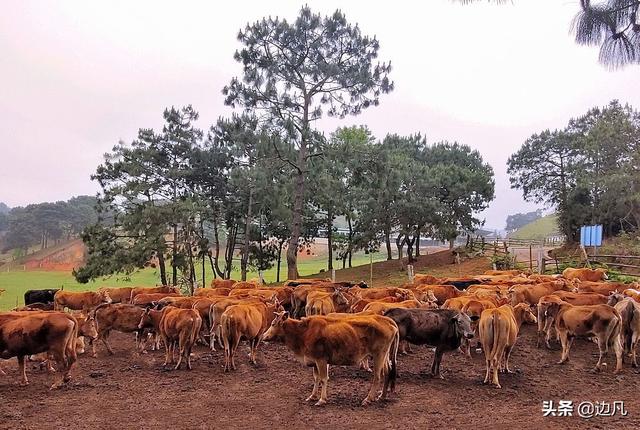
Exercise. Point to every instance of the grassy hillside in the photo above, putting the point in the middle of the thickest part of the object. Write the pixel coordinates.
(538, 229)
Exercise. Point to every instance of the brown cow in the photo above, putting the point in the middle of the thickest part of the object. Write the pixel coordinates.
(83, 301)
(122, 317)
(321, 303)
(246, 285)
(319, 341)
(222, 283)
(245, 321)
(420, 278)
(545, 321)
(513, 272)
(300, 282)
(360, 304)
(299, 296)
(380, 308)
(629, 311)
(531, 294)
(498, 331)
(633, 293)
(153, 290)
(216, 310)
(118, 294)
(35, 307)
(256, 293)
(605, 288)
(600, 321)
(87, 328)
(178, 328)
(593, 275)
(26, 333)
(145, 299)
(208, 292)
(441, 292)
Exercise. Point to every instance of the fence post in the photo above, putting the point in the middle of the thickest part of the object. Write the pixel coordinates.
(333, 275)
(531, 257)
(410, 272)
(541, 261)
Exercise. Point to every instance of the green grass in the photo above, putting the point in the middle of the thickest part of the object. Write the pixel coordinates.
(538, 229)
(16, 282)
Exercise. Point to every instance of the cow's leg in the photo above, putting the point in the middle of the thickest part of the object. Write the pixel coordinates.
(212, 336)
(323, 374)
(92, 342)
(167, 350)
(617, 348)
(236, 343)
(507, 354)
(254, 349)
(181, 350)
(380, 362)
(602, 351)
(634, 342)
(487, 362)
(23, 371)
(565, 341)
(364, 364)
(316, 383)
(437, 359)
(2, 372)
(496, 365)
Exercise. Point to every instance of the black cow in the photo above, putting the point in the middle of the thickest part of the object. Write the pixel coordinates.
(442, 328)
(462, 285)
(348, 284)
(39, 296)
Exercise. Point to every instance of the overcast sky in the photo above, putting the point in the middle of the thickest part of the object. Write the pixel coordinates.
(78, 76)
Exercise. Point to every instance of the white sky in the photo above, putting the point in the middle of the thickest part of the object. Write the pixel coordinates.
(77, 76)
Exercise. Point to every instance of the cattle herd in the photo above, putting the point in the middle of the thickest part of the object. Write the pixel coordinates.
(327, 323)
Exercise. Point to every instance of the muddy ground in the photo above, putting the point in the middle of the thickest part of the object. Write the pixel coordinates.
(134, 391)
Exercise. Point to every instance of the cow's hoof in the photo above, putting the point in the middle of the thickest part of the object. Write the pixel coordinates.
(498, 387)
(94, 355)
(310, 398)
(561, 362)
(25, 383)
(320, 402)
(365, 402)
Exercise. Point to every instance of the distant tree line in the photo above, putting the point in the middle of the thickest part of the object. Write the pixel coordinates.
(45, 224)
(263, 181)
(589, 171)
(518, 220)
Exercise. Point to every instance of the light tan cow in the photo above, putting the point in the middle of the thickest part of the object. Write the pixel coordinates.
(498, 331)
(82, 301)
(593, 275)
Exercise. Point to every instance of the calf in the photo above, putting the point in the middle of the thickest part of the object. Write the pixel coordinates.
(83, 301)
(629, 311)
(39, 296)
(600, 321)
(27, 333)
(320, 341)
(120, 317)
(248, 321)
(36, 307)
(441, 292)
(222, 283)
(206, 292)
(498, 331)
(442, 328)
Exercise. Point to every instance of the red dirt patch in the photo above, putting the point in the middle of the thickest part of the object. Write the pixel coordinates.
(64, 257)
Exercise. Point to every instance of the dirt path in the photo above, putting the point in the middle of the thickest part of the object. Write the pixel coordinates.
(133, 391)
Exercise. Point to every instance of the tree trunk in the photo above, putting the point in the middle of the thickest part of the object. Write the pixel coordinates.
(279, 260)
(296, 228)
(298, 193)
(216, 267)
(245, 247)
(163, 269)
(417, 240)
(410, 243)
(329, 237)
(387, 241)
(174, 254)
(452, 243)
(349, 240)
(231, 245)
(400, 244)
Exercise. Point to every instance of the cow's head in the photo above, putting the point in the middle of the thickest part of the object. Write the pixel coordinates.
(527, 313)
(145, 319)
(104, 296)
(88, 327)
(404, 294)
(339, 297)
(602, 272)
(615, 297)
(462, 324)
(362, 284)
(276, 330)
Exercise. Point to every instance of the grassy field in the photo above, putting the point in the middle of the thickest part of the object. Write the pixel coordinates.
(538, 229)
(16, 282)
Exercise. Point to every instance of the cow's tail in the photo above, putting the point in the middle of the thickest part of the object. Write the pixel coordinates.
(70, 354)
(614, 332)
(213, 327)
(197, 325)
(494, 330)
(392, 375)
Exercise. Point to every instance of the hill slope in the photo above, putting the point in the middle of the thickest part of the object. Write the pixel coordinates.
(538, 229)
